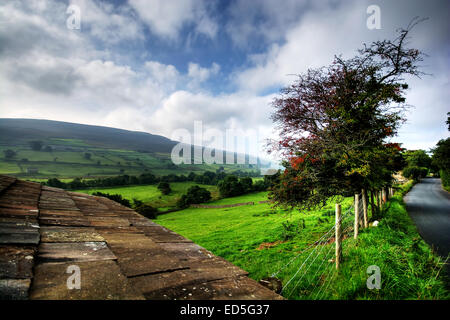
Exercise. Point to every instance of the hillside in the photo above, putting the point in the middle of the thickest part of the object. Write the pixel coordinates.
(75, 150)
(18, 131)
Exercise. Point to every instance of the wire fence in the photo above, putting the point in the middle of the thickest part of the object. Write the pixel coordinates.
(310, 273)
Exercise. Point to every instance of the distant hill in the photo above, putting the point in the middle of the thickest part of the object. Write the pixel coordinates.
(76, 150)
(16, 131)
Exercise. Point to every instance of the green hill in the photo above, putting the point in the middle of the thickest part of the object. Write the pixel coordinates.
(70, 150)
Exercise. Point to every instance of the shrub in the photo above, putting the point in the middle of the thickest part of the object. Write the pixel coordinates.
(9, 154)
(115, 197)
(415, 173)
(164, 187)
(56, 183)
(194, 195)
(147, 211)
(36, 145)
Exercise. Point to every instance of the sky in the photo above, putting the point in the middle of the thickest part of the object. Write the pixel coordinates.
(163, 65)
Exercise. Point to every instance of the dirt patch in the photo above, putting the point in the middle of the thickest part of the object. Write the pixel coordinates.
(267, 245)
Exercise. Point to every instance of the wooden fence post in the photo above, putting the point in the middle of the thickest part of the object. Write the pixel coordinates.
(338, 235)
(356, 226)
(364, 200)
(380, 202)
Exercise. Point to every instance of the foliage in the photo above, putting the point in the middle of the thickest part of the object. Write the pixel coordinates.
(334, 122)
(194, 195)
(417, 158)
(415, 173)
(441, 160)
(9, 154)
(115, 197)
(164, 187)
(146, 210)
(36, 145)
(231, 187)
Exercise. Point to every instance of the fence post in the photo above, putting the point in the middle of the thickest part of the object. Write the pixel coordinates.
(364, 200)
(356, 227)
(380, 202)
(338, 235)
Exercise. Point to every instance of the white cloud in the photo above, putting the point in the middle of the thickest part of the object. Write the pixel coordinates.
(199, 74)
(108, 23)
(166, 18)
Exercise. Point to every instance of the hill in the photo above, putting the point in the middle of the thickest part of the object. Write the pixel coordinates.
(17, 131)
(69, 150)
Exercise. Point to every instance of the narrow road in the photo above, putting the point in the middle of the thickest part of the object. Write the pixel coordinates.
(429, 207)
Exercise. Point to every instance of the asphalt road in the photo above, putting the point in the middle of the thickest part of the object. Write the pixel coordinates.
(429, 207)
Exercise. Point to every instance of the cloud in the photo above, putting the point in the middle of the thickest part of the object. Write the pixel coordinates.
(199, 74)
(108, 23)
(97, 75)
(167, 18)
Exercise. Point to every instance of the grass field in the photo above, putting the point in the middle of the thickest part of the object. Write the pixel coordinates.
(67, 160)
(151, 195)
(253, 237)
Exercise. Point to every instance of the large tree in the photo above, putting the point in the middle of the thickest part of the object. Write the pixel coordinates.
(335, 122)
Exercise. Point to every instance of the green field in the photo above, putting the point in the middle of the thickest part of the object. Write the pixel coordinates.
(151, 195)
(253, 238)
(68, 161)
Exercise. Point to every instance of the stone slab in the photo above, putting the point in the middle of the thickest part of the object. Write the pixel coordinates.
(67, 234)
(99, 280)
(14, 289)
(80, 251)
(16, 262)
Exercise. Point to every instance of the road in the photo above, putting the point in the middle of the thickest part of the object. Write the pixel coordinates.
(429, 207)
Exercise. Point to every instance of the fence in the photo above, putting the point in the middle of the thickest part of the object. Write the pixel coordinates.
(313, 269)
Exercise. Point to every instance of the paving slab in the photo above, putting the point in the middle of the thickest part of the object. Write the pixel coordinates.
(16, 262)
(241, 288)
(109, 222)
(161, 234)
(68, 234)
(18, 234)
(64, 221)
(18, 212)
(14, 289)
(99, 280)
(80, 251)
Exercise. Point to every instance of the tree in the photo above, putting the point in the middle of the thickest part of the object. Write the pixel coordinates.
(194, 195)
(48, 149)
(247, 184)
(164, 187)
(334, 121)
(230, 187)
(36, 145)
(448, 120)
(418, 164)
(9, 154)
(441, 159)
(146, 210)
(87, 155)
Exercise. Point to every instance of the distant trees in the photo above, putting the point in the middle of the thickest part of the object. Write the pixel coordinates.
(418, 164)
(164, 187)
(9, 154)
(36, 145)
(441, 159)
(87, 156)
(194, 195)
(48, 149)
(146, 210)
(115, 197)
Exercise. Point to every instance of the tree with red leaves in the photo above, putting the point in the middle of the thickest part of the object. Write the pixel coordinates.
(335, 121)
